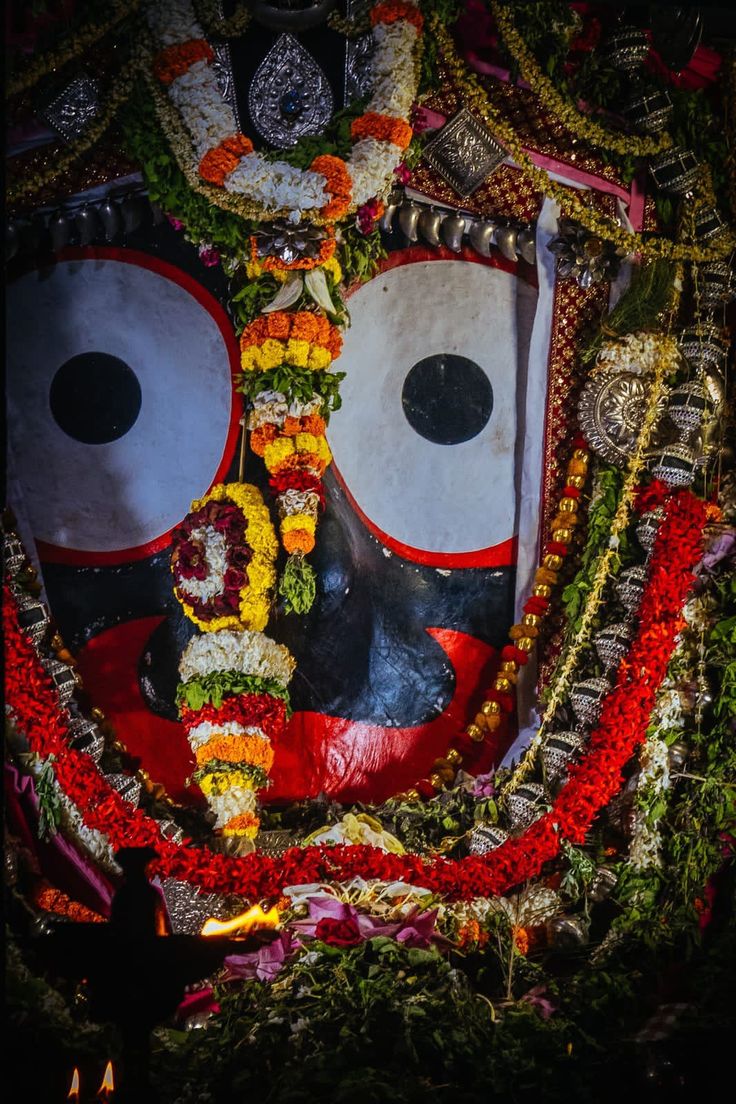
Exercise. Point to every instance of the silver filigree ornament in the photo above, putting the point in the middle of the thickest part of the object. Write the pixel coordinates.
(688, 405)
(648, 528)
(72, 111)
(188, 908)
(288, 242)
(586, 698)
(524, 805)
(13, 553)
(630, 587)
(33, 615)
(85, 735)
(612, 644)
(485, 837)
(127, 785)
(289, 96)
(464, 153)
(674, 464)
(582, 256)
(559, 751)
(611, 411)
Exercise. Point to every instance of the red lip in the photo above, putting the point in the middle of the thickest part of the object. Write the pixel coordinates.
(349, 760)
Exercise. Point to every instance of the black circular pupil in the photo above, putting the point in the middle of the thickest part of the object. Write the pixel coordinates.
(447, 398)
(95, 398)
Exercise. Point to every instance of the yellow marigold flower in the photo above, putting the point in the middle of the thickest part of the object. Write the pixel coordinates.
(248, 359)
(261, 574)
(319, 358)
(277, 451)
(297, 352)
(219, 782)
(269, 354)
(253, 269)
(298, 521)
(333, 268)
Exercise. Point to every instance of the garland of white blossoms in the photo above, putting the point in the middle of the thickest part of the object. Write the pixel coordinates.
(221, 156)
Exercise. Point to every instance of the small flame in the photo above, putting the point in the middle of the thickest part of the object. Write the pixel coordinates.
(108, 1083)
(74, 1087)
(255, 917)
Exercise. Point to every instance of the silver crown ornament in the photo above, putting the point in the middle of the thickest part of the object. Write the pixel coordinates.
(558, 753)
(485, 837)
(612, 644)
(630, 587)
(523, 805)
(586, 698)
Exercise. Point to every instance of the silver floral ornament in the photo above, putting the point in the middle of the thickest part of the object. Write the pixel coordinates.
(524, 805)
(611, 411)
(630, 587)
(586, 698)
(288, 242)
(583, 256)
(485, 837)
(559, 751)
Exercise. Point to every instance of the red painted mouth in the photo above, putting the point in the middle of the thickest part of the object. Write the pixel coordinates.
(349, 760)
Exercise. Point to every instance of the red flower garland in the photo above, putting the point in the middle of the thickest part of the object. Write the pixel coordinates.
(622, 726)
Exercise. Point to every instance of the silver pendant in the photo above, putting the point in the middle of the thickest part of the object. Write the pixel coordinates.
(429, 225)
(587, 698)
(524, 805)
(452, 231)
(630, 587)
(289, 96)
(127, 785)
(481, 236)
(648, 528)
(612, 644)
(485, 837)
(358, 57)
(559, 752)
(87, 222)
(464, 153)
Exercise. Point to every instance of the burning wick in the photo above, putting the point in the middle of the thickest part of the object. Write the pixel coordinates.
(255, 917)
(73, 1093)
(107, 1088)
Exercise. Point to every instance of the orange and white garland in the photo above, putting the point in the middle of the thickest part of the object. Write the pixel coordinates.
(331, 187)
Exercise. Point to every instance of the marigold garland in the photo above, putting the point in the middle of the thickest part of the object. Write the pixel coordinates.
(383, 127)
(33, 704)
(218, 163)
(174, 61)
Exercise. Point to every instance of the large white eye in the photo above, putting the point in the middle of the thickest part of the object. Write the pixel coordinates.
(426, 438)
(121, 402)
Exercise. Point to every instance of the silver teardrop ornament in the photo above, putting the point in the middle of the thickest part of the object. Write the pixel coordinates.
(289, 96)
(481, 236)
(60, 229)
(132, 209)
(111, 220)
(429, 225)
(87, 222)
(408, 219)
(525, 243)
(452, 230)
(506, 241)
(385, 222)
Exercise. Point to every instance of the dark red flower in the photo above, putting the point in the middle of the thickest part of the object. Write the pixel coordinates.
(338, 933)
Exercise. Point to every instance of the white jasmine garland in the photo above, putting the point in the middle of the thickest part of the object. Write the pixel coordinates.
(654, 779)
(233, 802)
(271, 407)
(298, 502)
(276, 186)
(246, 651)
(205, 730)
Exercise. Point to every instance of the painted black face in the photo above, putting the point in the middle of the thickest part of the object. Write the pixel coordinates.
(417, 534)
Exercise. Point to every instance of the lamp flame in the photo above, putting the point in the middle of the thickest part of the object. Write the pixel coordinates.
(255, 917)
(73, 1093)
(108, 1083)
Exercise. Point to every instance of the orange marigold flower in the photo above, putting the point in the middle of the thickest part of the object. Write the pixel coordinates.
(245, 824)
(219, 162)
(521, 939)
(53, 900)
(300, 461)
(339, 184)
(237, 749)
(386, 128)
(305, 326)
(175, 61)
(274, 264)
(298, 540)
(278, 325)
(314, 424)
(394, 10)
(255, 333)
(291, 426)
(263, 436)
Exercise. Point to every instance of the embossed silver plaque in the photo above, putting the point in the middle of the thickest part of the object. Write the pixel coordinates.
(358, 57)
(289, 96)
(73, 109)
(464, 153)
(611, 411)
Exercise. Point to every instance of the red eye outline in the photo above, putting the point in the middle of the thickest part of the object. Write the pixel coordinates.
(52, 553)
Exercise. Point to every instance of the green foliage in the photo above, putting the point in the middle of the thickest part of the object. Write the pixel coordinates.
(335, 140)
(49, 803)
(603, 505)
(640, 306)
(212, 688)
(359, 254)
(248, 301)
(298, 384)
(298, 585)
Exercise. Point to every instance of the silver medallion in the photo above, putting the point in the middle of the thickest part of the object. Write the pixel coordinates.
(464, 153)
(73, 109)
(289, 96)
(611, 411)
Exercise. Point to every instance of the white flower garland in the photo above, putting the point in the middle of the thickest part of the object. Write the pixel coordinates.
(246, 651)
(204, 731)
(271, 407)
(215, 547)
(277, 186)
(233, 802)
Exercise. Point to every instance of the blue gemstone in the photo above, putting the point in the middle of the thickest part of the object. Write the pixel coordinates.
(291, 104)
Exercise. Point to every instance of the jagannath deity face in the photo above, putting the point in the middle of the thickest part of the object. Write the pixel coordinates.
(123, 410)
